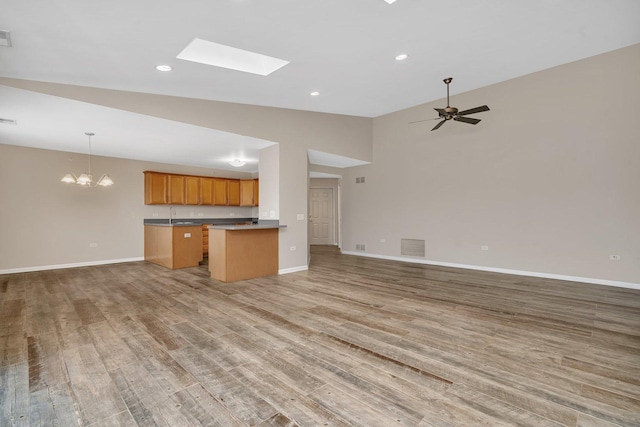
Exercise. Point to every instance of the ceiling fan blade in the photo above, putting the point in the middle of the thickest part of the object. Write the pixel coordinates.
(441, 111)
(467, 120)
(473, 110)
(425, 120)
(438, 125)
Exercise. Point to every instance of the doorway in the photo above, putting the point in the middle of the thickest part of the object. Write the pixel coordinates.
(321, 216)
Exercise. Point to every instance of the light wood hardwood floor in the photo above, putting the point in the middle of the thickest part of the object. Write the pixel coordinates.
(352, 341)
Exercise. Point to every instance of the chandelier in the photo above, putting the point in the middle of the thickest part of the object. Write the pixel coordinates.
(86, 179)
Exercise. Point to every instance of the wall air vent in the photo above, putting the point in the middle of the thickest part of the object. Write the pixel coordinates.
(8, 121)
(360, 180)
(360, 247)
(5, 38)
(412, 247)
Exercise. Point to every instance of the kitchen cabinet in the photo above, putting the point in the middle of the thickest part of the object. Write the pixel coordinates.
(155, 188)
(220, 191)
(234, 192)
(243, 252)
(249, 192)
(176, 193)
(192, 190)
(206, 191)
(173, 246)
(173, 189)
(205, 240)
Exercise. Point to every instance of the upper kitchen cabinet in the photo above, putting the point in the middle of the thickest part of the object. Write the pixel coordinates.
(226, 192)
(220, 191)
(206, 191)
(176, 195)
(155, 188)
(234, 192)
(192, 190)
(172, 189)
(249, 192)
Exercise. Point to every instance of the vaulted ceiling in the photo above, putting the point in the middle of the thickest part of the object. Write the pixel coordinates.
(345, 50)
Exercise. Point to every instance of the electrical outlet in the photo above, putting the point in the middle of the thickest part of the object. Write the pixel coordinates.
(187, 235)
(383, 240)
(232, 214)
(93, 245)
(292, 248)
(155, 214)
(484, 248)
(192, 214)
(614, 257)
(300, 217)
(200, 214)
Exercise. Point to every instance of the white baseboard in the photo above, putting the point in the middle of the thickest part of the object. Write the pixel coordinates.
(73, 265)
(501, 270)
(293, 269)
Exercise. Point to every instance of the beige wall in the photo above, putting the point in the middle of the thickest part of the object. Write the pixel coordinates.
(44, 222)
(549, 179)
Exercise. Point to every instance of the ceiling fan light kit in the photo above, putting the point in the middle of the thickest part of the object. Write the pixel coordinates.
(449, 112)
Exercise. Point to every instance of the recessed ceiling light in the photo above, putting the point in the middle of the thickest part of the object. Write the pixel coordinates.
(402, 57)
(390, 1)
(315, 93)
(219, 55)
(164, 68)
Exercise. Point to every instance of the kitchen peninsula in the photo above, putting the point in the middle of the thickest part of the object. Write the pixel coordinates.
(181, 243)
(240, 252)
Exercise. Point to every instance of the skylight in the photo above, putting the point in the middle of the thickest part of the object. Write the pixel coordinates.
(218, 55)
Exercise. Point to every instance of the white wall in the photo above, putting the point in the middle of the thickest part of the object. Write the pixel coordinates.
(548, 180)
(44, 222)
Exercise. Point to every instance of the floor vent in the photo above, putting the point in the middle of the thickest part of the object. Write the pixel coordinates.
(412, 247)
(360, 247)
(5, 38)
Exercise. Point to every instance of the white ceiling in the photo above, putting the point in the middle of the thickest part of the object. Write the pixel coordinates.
(344, 49)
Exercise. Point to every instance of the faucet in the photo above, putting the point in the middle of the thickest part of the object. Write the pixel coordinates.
(171, 213)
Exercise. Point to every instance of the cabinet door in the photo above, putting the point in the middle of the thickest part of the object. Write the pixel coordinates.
(155, 188)
(234, 192)
(256, 192)
(206, 191)
(192, 190)
(220, 192)
(246, 192)
(176, 189)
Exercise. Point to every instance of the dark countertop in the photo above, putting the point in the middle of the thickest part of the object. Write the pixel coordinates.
(246, 227)
(228, 221)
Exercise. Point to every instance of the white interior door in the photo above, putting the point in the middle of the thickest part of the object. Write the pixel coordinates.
(321, 216)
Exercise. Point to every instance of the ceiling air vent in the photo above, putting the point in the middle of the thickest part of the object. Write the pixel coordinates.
(412, 247)
(5, 38)
(8, 121)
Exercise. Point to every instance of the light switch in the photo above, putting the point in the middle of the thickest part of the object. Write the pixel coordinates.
(187, 235)
(300, 217)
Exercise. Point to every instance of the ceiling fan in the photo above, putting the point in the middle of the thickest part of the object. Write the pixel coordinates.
(449, 112)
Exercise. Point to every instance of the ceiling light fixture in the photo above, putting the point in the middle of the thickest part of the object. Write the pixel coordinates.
(402, 57)
(315, 93)
(164, 67)
(86, 179)
(390, 1)
(237, 163)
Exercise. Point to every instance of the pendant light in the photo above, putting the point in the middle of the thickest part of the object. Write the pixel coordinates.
(86, 179)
